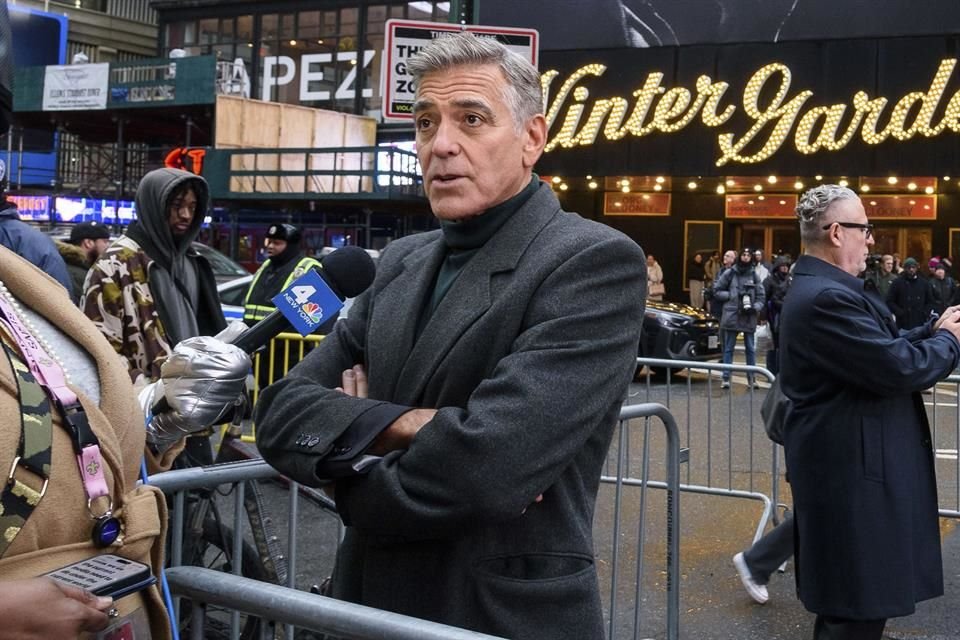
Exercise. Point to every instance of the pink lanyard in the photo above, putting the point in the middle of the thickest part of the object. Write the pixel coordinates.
(50, 375)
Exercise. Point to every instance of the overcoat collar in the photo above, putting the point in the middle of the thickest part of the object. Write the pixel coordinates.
(416, 359)
(810, 266)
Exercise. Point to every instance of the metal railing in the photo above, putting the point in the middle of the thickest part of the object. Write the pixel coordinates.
(303, 610)
(728, 452)
(178, 482)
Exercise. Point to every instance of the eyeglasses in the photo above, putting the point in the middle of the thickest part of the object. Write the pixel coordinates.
(867, 228)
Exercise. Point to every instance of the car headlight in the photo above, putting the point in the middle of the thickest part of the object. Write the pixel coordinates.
(677, 322)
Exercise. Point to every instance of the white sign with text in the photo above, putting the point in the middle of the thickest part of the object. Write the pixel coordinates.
(75, 87)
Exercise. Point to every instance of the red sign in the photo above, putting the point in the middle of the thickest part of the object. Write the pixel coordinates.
(636, 204)
(761, 205)
(187, 159)
(904, 207)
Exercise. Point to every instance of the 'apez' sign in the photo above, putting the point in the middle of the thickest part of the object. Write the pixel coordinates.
(777, 113)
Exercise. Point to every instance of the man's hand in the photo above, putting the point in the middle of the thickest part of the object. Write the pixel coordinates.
(948, 312)
(950, 320)
(42, 608)
(401, 431)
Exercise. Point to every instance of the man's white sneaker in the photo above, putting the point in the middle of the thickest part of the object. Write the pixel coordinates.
(757, 591)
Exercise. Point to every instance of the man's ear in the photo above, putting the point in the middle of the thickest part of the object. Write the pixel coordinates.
(535, 138)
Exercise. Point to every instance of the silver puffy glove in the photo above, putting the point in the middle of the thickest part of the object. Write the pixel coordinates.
(201, 381)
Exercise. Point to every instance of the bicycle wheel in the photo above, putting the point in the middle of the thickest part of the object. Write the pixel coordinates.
(214, 550)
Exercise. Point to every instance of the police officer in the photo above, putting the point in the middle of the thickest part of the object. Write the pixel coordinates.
(285, 263)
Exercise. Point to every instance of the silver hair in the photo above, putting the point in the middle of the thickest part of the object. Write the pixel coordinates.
(812, 209)
(522, 91)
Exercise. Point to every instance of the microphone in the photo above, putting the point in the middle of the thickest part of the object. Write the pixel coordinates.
(348, 271)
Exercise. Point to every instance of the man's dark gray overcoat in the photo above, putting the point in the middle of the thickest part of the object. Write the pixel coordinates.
(527, 357)
(858, 447)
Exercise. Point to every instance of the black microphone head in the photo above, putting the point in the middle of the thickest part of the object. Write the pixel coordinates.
(349, 270)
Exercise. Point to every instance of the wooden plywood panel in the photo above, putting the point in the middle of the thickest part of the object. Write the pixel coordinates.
(327, 132)
(229, 119)
(359, 131)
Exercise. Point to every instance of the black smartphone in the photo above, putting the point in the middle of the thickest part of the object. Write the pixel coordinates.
(106, 575)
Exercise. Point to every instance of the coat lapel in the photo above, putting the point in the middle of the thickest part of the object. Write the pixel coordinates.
(470, 296)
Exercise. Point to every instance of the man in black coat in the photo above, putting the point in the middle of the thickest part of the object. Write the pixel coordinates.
(910, 297)
(857, 441)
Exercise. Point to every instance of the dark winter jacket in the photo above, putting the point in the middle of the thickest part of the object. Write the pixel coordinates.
(775, 289)
(77, 266)
(32, 245)
(942, 291)
(911, 300)
(730, 288)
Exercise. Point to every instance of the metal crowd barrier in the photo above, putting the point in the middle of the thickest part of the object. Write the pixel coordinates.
(303, 610)
(234, 592)
(671, 482)
(943, 412)
(729, 453)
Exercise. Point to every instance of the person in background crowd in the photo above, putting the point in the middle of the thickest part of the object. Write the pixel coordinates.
(711, 269)
(932, 265)
(856, 437)
(695, 277)
(716, 307)
(49, 529)
(285, 263)
(910, 297)
(897, 264)
(763, 267)
(655, 287)
(741, 292)
(775, 288)
(150, 290)
(87, 241)
(490, 394)
(30, 243)
(943, 287)
(885, 276)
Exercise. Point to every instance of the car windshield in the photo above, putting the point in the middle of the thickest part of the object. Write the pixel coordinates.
(223, 267)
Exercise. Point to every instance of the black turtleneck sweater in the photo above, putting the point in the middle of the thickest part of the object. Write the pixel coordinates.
(465, 238)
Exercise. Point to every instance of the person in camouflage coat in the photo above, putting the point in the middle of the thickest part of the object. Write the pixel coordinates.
(150, 290)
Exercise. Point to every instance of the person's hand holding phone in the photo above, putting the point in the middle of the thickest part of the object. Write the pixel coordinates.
(42, 608)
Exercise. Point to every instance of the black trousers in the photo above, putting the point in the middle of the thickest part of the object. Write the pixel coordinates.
(770, 551)
(829, 628)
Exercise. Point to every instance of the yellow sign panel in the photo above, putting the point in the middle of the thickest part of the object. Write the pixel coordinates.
(813, 128)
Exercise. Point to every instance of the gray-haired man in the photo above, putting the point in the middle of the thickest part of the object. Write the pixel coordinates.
(857, 441)
(487, 364)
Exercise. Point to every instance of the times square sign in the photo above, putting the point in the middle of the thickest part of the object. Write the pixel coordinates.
(776, 113)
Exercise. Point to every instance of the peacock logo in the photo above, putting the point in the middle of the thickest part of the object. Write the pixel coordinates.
(312, 309)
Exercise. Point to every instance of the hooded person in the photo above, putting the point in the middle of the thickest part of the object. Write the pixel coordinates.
(150, 290)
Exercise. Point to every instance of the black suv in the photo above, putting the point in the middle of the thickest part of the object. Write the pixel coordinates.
(674, 331)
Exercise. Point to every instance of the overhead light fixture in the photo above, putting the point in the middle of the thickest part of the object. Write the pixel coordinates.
(783, 202)
(928, 190)
(913, 202)
(625, 189)
(912, 186)
(865, 188)
(730, 182)
(293, 43)
(758, 187)
(618, 204)
(556, 179)
(873, 203)
(772, 179)
(749, 201)
(818, 177)
(592, 184)
(892, 180)
(564, 187)
(761, 198)
(843, 183)
(646, 196)
(691, 185)
(798, 185)
(660, 179)
(320, 41)
(657, 187)
(721, 189)
(624, 183)
(946, 178)
(589, 177)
